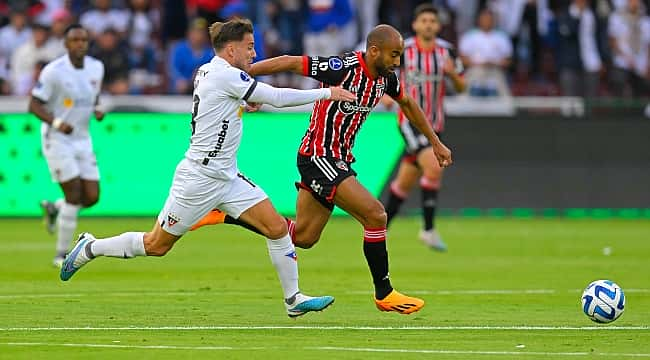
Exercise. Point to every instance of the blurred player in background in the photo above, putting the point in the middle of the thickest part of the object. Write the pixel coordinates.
(208, 176)
(427, 61)
(325, 154)
(64, 98)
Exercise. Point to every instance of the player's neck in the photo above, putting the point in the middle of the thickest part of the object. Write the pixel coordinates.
(77, 63)
(371, 69)
(424, 44)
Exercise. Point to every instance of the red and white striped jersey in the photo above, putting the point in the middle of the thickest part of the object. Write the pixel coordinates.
(423, 78)
(334, 124)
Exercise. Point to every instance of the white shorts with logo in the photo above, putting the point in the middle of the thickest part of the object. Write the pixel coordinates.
(194, 194)
(68, 159)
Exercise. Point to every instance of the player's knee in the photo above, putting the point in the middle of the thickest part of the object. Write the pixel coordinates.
(90, 200)
(375, 216)
(430, 181)
(305, 243)
(73, 197)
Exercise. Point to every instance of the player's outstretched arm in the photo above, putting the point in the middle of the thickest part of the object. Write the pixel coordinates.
(37, 108)
(416, 116)
(282, 97)
(278, 64)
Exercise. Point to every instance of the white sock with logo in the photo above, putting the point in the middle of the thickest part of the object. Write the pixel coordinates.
(67, 224)
(283, 257)
(125, 246)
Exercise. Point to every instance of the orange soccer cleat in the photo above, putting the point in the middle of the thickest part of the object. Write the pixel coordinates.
(400, 303)
(214, 217)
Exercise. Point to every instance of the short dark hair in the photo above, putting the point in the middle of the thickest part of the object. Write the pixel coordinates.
(232, 30)
(72, 27)
(424, 8)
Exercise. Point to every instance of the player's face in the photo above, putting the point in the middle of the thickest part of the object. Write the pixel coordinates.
(77, 42)
(389, 57)
(426, 25)
(244, 52)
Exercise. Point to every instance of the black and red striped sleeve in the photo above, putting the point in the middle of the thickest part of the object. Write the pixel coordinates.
(329, 70)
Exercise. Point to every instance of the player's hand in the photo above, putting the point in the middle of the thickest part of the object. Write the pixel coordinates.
(340, 94)
(387, 101)
(99, 115)
(253, 107)
(62, 126)
(443, 154)
(449, 67)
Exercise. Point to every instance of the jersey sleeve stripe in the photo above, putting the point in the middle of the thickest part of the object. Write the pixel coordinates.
(250, 90)
(305, 66)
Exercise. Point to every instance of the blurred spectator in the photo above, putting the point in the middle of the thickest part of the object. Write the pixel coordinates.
(143, 58)
(174, 21)
(238, 8)
(50, 7)
(577, 57)
(328, 30)
(103, 17)
(187, 55)
(110, 50)
(629, 32)
(61, 19)
(206, 9)
(486, 53)
(12, 36)
(38, 49)
(368, 15)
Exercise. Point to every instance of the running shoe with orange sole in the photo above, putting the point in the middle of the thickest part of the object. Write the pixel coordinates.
(400, 303)
(214, 217)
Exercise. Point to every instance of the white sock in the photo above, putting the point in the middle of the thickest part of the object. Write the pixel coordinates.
(126, 246)
(58, 203)
(283, 257)
(67, 224)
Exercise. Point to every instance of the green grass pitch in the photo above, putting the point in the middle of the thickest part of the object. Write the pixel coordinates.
(507, 289)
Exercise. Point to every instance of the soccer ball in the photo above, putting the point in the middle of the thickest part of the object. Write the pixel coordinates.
(603, 301)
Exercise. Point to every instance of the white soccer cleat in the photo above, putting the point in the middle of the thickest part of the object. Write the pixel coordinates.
(78, 257)
(303, 304)
(433, 240)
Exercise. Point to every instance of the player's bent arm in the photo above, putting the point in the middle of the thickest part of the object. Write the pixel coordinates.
(459, 81)
(278, 64)
(37, 107)
(282, 97)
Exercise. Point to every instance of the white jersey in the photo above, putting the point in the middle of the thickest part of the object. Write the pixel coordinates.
(70, 94)
(220, 91)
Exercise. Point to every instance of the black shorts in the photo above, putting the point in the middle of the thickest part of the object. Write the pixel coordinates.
(321, 175)
(414, 140)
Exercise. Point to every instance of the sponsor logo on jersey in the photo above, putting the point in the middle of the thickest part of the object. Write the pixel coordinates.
(314, 66)
(341, 165)
(172, 219)
(68, 102)
(349, 108)
(221, 137)
(245, 77)
(335, 64)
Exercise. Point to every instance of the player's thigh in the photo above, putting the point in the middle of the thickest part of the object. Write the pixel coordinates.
(72, 190)
(357, 201)
(264, 217)
(311, 218)
(89, 192)
(431, 169)
(192, 195)
(407, 175)
(61, 160)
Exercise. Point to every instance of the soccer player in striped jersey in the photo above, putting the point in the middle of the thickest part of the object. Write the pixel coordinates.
(325, 154)
(427, 61)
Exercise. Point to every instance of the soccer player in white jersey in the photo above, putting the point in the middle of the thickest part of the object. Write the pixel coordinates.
(208, 176)
(64, 99)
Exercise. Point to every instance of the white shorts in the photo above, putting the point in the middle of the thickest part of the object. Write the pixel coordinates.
(70, 159)
(193, 194)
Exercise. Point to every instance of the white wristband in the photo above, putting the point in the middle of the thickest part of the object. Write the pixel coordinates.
(56, 123)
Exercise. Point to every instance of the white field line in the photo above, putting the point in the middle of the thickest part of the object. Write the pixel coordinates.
(322, 348)
(353, 292)
(335, 328)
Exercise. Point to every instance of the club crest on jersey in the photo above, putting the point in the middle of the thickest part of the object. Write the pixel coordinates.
(342, 165)
(172, 219)
(68, 102)
(292, 255)
(244, 76)
(335, 63)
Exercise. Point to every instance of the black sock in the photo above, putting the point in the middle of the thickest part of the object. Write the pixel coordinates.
(392, 207)
(429, 204)
(377, 258)
(231, 220)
